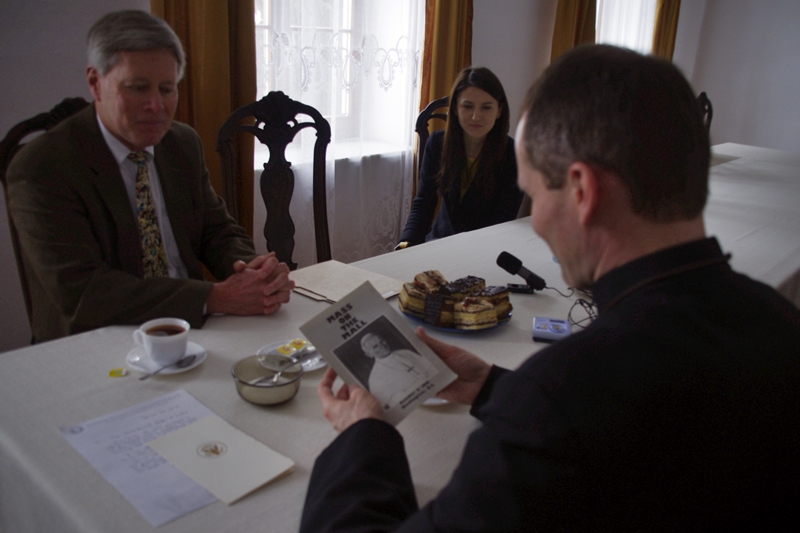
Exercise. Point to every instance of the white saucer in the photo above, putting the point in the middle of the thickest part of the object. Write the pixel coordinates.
(138, 360)
(315, 363)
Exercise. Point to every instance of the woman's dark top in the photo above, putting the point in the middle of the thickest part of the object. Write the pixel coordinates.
(492, 198)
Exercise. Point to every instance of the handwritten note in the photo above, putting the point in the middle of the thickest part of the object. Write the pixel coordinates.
(116, 445)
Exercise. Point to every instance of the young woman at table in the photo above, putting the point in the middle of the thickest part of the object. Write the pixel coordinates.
(470, 165)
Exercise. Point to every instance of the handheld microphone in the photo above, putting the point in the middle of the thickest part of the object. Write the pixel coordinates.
(512, 265)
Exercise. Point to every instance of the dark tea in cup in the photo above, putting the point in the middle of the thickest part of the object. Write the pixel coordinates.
(165, 330)
(163, 339)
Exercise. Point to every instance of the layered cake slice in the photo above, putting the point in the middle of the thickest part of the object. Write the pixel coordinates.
(474, 313)
(429, 281)
(499, 297)
(412, 300)
(463, 287)
(439, 310)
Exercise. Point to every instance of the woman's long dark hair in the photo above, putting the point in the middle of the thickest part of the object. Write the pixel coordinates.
(454, 156)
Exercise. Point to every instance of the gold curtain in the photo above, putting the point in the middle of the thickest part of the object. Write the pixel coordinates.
(666, 27)
(219, 40)
(448, 46)
(575, 23)
(447, 50)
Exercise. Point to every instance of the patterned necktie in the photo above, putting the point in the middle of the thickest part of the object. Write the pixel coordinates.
(155, 259)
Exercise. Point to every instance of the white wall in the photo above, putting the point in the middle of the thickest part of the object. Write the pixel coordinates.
(42, 60)
(747, 61)
(513, 39)
(687, 40)
(742, 53)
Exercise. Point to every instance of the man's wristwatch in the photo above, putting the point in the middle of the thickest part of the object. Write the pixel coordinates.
(401, 245)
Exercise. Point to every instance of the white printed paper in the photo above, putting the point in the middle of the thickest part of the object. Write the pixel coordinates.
(330, 281)
(116, 445)
(226, 461)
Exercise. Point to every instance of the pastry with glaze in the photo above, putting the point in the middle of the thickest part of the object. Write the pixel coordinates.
(463, 287)
(429, 280)
(498, 296)
(474, 313)
(412, 300)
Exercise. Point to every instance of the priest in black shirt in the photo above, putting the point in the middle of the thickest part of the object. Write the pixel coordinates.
(676, 409)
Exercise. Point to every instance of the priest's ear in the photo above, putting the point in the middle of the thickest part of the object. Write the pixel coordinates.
(584, 189)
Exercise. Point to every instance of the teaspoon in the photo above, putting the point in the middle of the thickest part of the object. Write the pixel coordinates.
(279, 363)
(182, 363)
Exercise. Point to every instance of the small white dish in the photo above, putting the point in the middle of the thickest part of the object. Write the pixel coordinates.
(137, 359)
(315, 363)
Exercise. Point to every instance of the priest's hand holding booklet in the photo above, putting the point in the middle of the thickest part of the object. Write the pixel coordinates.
(374, 350)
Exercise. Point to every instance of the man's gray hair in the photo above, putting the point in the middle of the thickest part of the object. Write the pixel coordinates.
(130, 31)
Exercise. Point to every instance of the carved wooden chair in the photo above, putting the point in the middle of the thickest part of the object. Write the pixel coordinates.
(421, 127)
(706, 108)
(9, 146)
(276, 124)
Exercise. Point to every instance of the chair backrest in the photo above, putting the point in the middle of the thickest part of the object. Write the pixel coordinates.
(9, 146)
(706, 108)
(276, 124)
(421, 126)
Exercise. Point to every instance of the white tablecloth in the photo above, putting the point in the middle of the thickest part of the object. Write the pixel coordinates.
(754, 210)
(45, 485)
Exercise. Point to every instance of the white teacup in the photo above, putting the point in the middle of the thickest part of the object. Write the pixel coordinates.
(163, 339)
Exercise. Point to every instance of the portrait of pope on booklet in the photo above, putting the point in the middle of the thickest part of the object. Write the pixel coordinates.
(395, 372)
(372, 346)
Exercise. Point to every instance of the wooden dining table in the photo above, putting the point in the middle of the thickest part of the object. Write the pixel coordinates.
(46, 485)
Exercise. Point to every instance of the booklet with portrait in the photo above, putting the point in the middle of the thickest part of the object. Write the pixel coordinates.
(369, 343)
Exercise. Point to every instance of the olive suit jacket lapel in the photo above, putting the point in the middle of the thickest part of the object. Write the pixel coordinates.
(171, 163)
(107, 180)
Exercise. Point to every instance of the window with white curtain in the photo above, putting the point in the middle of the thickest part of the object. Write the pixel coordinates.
(357, 62)
(628, 23)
